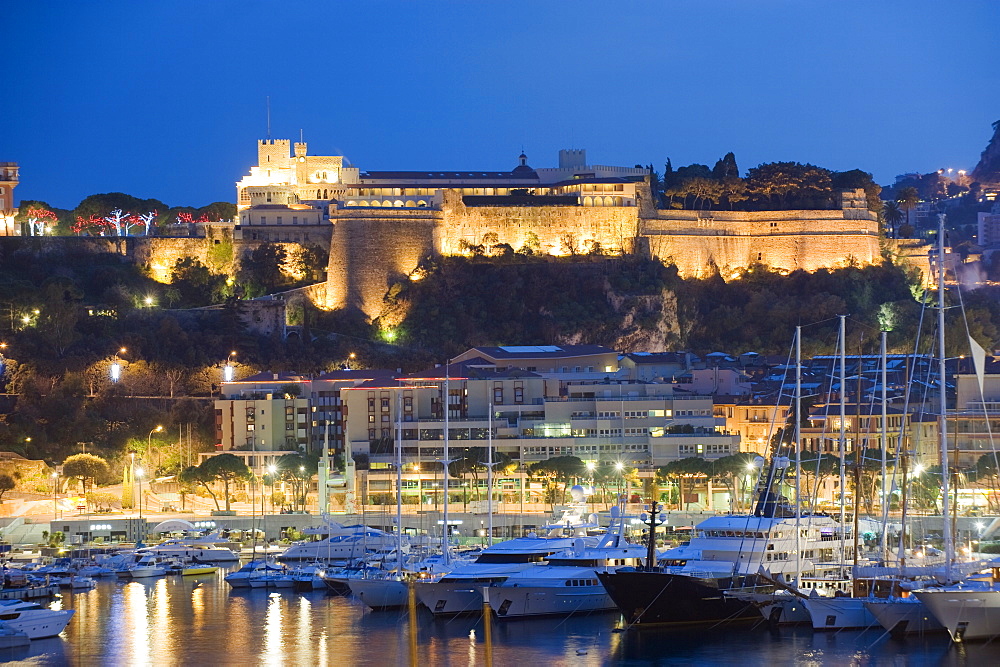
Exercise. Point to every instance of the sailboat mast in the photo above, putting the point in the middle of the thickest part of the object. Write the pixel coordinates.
(842, 440)
(489, 474)
(798, 451)
(885, 448)
(949, 547)
(399, 481)
(445, 552)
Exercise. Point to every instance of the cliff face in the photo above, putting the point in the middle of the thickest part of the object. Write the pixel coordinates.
(987, 172)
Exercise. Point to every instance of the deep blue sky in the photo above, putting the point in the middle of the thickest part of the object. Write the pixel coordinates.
(167, 99)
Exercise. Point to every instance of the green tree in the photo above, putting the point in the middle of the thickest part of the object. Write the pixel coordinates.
(892, 215)
(297, 470)
(556, 470)
(731, 469)
(787, 184)
(195, 475)
(987, 475)
(908, 198)
(228, 468)
(7, 483)
(473, 462)
(692, 468)
(86, 467)
(261, 271)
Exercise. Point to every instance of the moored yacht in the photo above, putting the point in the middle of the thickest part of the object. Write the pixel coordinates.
(567, 582)
(460, 591)
(199, 550)
(345, 544)
(32, 619)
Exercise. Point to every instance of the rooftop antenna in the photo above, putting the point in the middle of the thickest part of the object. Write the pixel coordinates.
(268, 116)
(301, 140)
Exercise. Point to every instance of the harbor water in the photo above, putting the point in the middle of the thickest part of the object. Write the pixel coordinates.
(201, 620)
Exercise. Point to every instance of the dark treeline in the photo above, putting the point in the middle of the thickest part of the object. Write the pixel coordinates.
(766, 187)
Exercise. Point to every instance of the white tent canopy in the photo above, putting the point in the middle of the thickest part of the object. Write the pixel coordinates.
(173, 525)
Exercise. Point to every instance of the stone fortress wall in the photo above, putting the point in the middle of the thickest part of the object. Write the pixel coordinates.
(373, 248)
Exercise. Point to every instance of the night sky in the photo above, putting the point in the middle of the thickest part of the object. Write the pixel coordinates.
(167, 99)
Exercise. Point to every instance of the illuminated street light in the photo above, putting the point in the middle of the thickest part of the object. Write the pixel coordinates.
(229, 370)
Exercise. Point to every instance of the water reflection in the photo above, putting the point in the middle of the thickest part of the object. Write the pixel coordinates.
(173, 621)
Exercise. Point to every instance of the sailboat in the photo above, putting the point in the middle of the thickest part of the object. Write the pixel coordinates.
(969, 609)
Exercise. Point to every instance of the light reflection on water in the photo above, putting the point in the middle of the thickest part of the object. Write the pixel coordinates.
(199, 620)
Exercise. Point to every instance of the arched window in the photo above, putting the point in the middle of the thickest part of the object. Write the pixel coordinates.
(387, 203)
(398, 203)
(587, 201)
(421, 203)
(362, 203)
(410, 203)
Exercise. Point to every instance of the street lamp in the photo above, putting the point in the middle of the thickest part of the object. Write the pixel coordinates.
(138, 476)
(116, 366)
(229, 370)
(55, 487)
(149, 440)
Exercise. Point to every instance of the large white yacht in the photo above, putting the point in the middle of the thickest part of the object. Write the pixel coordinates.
(567, 582)
(969, 610)
(460, 591)
(32, 619)
(345, 543)
(199, 550)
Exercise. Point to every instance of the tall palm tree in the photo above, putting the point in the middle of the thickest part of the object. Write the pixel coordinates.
(908, 199)
(892, 215)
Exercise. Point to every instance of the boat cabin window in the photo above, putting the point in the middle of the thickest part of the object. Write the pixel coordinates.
(511, 558)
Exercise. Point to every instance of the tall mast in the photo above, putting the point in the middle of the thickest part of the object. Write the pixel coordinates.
(399, 481)
(445, 552)
(949, 547)
(885, 451)
(798, 451)
(489, 474)
(842, 440)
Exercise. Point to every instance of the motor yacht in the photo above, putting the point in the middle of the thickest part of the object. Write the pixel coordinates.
(567, 581)
(32, 619)
(344, 544)
(198, 550)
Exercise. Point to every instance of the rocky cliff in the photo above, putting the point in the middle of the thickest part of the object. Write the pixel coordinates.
(987, 172)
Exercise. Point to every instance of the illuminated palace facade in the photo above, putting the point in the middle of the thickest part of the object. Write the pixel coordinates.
(381, 224)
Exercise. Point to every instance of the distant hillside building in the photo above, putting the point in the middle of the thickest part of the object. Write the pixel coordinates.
(379, 225)
(8, 181)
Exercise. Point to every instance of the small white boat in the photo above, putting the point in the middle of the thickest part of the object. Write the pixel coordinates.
(148, 566)
(241, 578)
(34, 620)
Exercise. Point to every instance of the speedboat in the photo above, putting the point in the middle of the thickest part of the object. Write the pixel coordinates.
(241, 578)
(148, 566)
(32, 619)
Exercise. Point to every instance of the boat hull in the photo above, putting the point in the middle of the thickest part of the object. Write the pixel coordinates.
(904, 616)
(660, 598)
(450, 598)
(39, 626)
(381, 593)
(966, 614)
(839, 613)
(518, 601)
